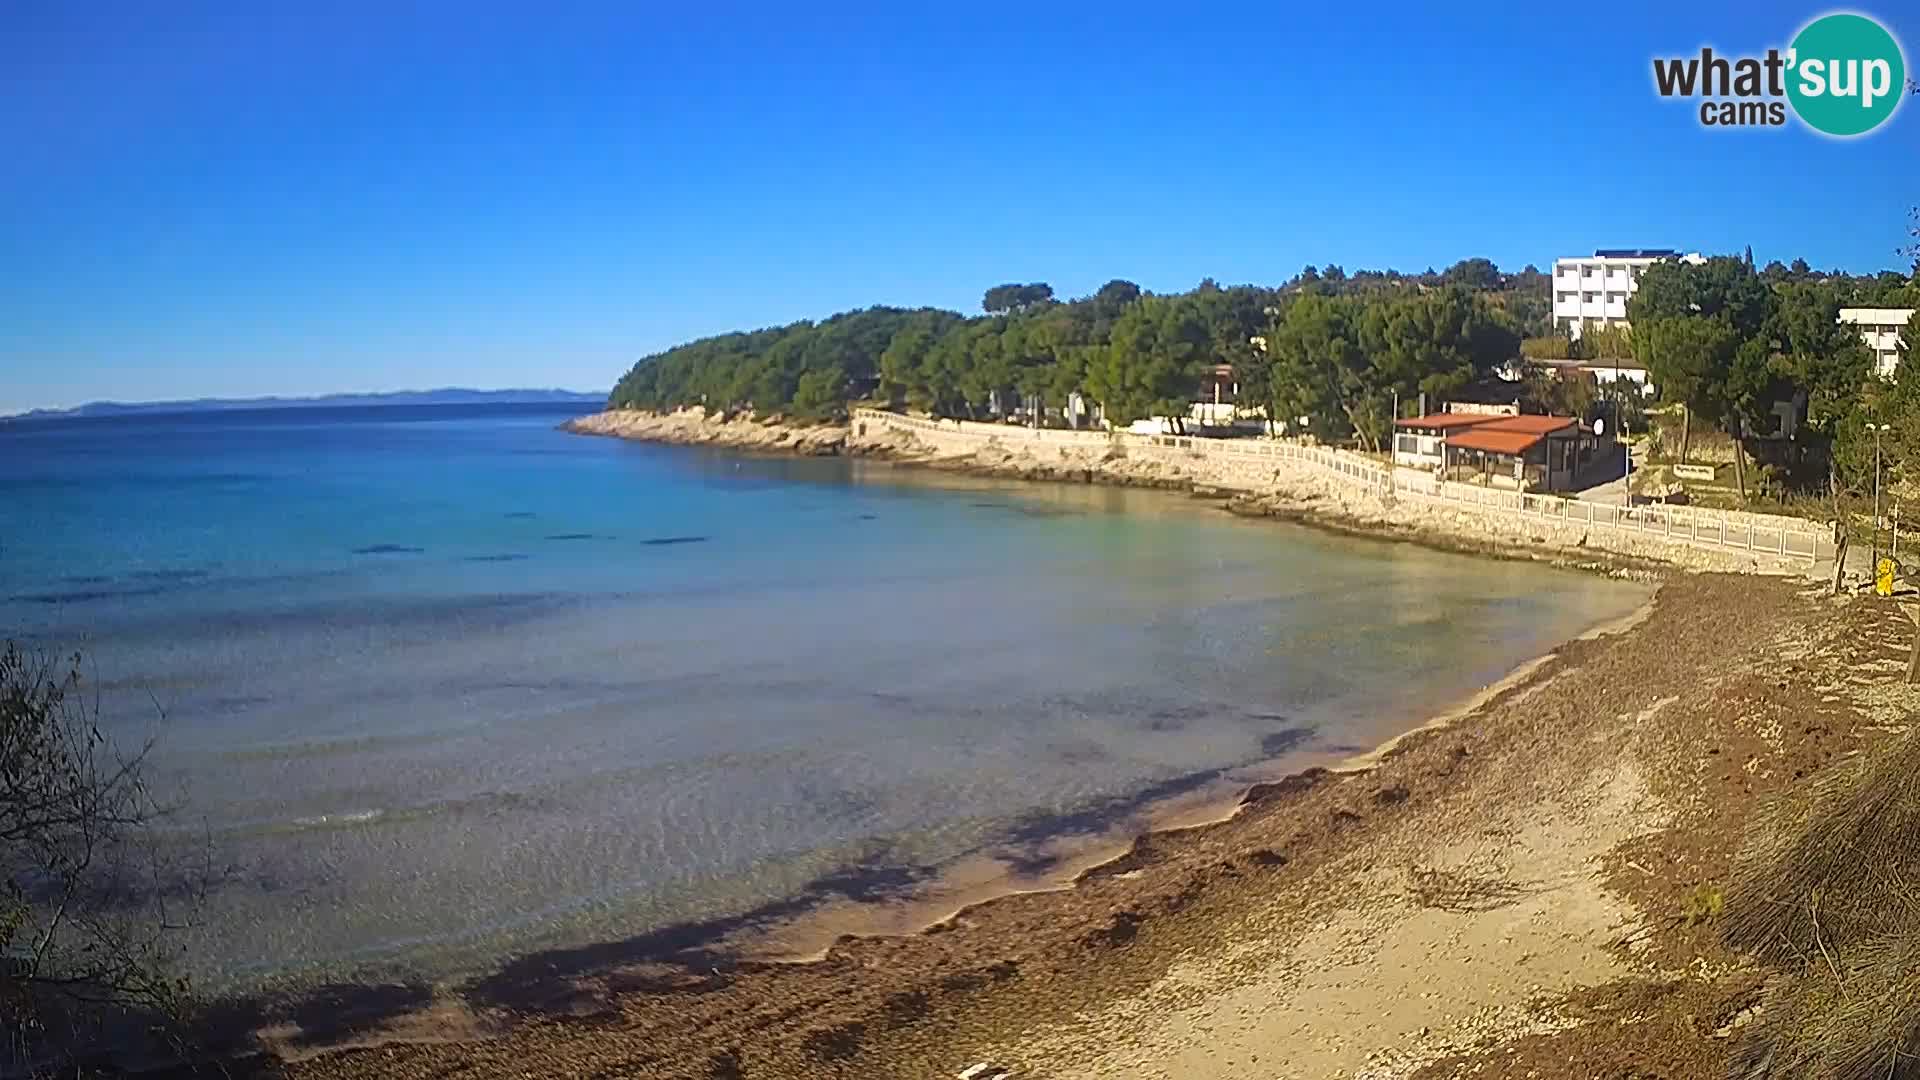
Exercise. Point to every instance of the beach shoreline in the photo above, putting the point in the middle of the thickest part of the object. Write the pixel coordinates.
(572, 983)
(1486, 889)
(916, 1002)
(297, 1026)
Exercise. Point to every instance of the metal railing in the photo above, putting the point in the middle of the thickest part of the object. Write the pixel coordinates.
(1691, 526)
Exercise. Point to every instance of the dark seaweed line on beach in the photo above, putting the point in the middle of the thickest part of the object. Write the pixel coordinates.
(543, 983)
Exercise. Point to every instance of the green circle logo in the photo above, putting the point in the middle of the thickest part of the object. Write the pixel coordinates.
(1846, 75)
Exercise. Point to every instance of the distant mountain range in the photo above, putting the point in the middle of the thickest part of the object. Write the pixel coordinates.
(450, 396)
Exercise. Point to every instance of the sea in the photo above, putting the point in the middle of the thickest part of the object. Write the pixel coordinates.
(429, 689)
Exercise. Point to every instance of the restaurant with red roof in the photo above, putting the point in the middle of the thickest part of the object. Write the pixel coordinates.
(1501, 447)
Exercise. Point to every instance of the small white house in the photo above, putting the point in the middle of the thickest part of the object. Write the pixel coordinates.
(1605, 371)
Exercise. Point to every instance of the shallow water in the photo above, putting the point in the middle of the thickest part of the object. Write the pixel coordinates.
(442, 686)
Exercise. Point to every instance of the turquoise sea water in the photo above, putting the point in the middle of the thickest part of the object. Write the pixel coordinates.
(439, 686)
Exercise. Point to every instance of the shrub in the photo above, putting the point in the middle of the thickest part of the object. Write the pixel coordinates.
(82, 925)
(1827, 892)
(1550, 347)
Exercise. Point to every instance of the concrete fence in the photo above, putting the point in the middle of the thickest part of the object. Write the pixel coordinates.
(1658, 524)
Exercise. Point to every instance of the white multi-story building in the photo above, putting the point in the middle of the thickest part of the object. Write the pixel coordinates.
(1880, 328)
(1593, 291)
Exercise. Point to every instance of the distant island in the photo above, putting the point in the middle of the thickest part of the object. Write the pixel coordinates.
(448, 396)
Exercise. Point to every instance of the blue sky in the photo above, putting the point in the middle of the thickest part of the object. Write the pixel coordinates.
(232, 200)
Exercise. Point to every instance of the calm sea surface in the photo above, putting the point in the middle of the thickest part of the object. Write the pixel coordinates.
(444, 685)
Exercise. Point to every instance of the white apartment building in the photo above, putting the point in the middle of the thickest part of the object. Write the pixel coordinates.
(1593, 291)
(1880, 328)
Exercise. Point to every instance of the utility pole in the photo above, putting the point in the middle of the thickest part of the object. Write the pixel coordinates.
(1873, 545)
(1393, 448)
(1626, 448)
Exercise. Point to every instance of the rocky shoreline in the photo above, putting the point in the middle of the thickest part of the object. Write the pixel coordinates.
(693, 427)
(1297, 496)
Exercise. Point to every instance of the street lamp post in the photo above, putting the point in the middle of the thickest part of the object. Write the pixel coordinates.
(1393, 449)
(1873, 544)
(1626, 448)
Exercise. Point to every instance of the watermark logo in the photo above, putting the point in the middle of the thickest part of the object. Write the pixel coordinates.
(1843, 75)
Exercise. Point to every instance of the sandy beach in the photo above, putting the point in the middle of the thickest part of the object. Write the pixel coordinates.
(1518, 891)
(1524, 887)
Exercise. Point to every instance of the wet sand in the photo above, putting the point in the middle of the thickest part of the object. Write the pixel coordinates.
(1506, 894)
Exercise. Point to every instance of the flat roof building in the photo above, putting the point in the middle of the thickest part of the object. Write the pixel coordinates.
(1593, 290)
(1881, 329)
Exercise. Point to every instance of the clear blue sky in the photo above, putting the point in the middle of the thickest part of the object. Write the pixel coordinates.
(233, 200)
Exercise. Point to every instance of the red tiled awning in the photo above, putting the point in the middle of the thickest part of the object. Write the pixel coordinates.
(1510, 443)
(1532, 425)
(1493, 434)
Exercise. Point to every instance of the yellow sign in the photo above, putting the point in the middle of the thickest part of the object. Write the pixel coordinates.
(1883, 573)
